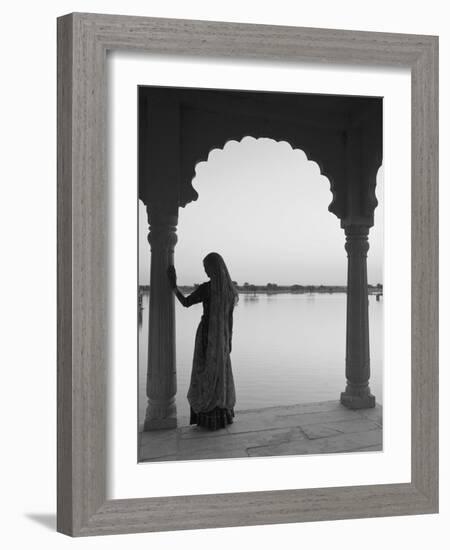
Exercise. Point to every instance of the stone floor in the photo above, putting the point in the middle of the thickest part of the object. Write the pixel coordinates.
(310, 428)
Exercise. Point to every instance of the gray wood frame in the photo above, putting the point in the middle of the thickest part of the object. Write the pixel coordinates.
(83, 40)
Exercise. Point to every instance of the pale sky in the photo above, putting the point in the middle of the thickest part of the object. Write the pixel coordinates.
(264, 207)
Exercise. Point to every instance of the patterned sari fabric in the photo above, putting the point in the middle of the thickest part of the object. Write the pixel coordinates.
(211, 392)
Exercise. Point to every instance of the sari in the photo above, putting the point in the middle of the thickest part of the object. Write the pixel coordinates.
(212, 394)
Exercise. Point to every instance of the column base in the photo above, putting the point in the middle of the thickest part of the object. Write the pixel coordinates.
(151, 424)
(356, 399)
(160, 416)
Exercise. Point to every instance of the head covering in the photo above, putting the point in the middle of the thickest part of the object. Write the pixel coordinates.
(222, 286)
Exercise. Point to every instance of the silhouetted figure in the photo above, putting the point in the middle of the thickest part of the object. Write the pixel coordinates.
(211, 392)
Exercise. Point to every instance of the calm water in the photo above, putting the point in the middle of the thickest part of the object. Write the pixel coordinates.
(287, 349)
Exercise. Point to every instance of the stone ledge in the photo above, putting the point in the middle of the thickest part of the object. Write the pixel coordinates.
(307, 428)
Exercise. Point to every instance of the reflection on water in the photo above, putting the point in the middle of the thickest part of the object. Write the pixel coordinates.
(287, 349)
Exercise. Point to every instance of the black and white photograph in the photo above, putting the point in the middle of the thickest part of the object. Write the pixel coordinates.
(223, 240)
(260, 274)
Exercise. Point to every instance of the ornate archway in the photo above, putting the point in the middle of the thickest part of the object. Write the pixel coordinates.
(178, 127)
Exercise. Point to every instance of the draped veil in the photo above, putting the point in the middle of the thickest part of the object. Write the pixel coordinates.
(212, 380)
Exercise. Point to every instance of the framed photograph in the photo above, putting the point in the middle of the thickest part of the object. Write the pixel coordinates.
(247, 274)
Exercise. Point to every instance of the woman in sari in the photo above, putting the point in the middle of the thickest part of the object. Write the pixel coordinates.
(211, 392)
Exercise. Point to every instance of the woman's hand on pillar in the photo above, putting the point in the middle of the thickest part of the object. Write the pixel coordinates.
(172, 276)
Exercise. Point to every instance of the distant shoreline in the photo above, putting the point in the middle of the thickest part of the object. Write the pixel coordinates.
(281, 289)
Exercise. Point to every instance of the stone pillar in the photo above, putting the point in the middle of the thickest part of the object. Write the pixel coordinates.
(161, 365)
(357, 363)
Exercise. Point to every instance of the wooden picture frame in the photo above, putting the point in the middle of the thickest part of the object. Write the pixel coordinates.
(83, 40)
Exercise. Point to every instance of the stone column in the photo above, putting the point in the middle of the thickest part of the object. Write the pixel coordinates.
(357, 363)
(161, 366)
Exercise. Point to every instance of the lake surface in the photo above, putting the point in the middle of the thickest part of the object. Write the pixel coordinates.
(287, 349)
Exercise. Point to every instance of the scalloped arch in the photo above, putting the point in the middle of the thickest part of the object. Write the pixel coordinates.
(309, 152)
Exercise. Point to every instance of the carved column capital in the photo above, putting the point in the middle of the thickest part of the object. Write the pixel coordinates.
(163, 237)
(357, 240)
(162, 229)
